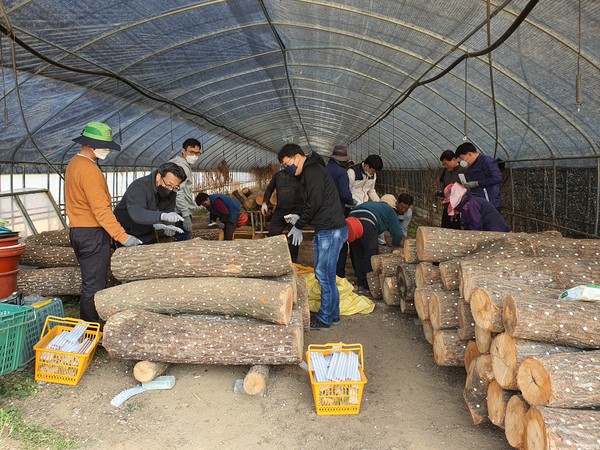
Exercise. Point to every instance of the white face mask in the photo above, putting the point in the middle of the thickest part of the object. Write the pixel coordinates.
(191, 159)
(101, 153)
(463, 163)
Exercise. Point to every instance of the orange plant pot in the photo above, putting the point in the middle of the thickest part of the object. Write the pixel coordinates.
(9, 241)
(9, 257)
(8, 283)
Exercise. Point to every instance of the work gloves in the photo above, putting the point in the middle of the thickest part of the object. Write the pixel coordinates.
(292, 218)
(471, 184)
(217, 224)
(169, 230)
(132, 241)
(295, 233)
(171, 217)
(264, 209)
(187, 223)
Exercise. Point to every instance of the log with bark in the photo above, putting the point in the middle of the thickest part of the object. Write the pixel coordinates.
(406, 281)
(407, 306)
(572, 323)
(50, 282)
(553, 428)
(479, 377)
(267, 300)
(449, 274)
(448, 349)
(435, 244)
(483, 338)
(146, 371)
(471, 352)
(38, 255)
(374, 285)
(514, 421)
(427, 331)
(422, 298)
(266, 257)
(209, 234)
(409, 250)
(200, 220)
(247, 191)
(466, 323)
(427, 274)
(302, 301)
(54, 237)
(389, 291)
(143, 335)
(255, 381)
(443, 312)
(497, 399)
(250, 204)
(561, 380)
(389, 264)
(508, 352)
(238, 196)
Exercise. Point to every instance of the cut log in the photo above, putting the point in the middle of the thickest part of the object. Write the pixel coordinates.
(427, 331)
(441, 244)
(479, 377)
(302, 301)
(422, 298)
(514, 421)
(427, 274)
(508, 352)
(497, 399)
(552, 428)
(54, 237)
(389, 264)
(50, 282)
(409, 250)
(390, 291)
(374, 285)
(209, 234)
(466, 333)
(443, 307)
(448, 350)
(260, 198)
(487, 303)
(465, 317)
(250, 204)
(407, 306)
(561, 380)
(145, 371)
(136, 334)
(247, 191)
(471, 352)
(376, 263)
(268, 257)
(200, 220)
(483, 338)
(569, 322)
(267, 300)
(238, 196)
(48, 256)
(255, 381)
(406, 281)
(449, 274)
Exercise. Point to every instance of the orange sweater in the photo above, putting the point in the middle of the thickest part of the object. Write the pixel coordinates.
(88, 200)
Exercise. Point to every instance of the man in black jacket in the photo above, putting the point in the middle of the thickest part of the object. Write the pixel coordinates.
(323, 211)
(289, 201)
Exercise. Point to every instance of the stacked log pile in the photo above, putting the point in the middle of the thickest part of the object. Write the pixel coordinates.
(532, 361)
(206, 302)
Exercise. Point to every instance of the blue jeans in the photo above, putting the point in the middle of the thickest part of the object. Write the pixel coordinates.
(326, 247)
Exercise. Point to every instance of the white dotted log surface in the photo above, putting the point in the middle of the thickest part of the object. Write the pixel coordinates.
(143, 335)
(268, 257)
(479, 377)
(561, 380)
(249, 297)
(50, 281)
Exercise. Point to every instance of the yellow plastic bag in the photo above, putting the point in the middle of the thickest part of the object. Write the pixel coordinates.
(350, 303)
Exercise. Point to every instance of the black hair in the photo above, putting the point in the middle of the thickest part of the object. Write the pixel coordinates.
(407, 199)
(289, 151)
(448, 155)
(467, 147)
(170, 167)
(201, 198)
(374, 162)
(191, 142)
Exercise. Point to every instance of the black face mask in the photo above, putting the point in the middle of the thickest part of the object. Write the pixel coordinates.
(163, 192)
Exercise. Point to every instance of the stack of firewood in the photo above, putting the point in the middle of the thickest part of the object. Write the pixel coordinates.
(491, 305)
(206, 302)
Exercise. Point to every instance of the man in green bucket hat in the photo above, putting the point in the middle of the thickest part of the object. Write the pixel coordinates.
(89, 209)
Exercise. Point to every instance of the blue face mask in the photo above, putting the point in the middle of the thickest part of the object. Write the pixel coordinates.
(291, 170)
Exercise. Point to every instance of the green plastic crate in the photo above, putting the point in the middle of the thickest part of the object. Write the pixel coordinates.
(13, 320)
(35, 323)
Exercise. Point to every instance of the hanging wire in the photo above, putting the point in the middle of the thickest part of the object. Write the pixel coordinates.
(3, 83)
(578, 87)
(491, 70)
(171, 124)
(465, 138)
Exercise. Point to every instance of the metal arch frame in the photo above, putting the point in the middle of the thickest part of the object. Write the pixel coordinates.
(397, 155)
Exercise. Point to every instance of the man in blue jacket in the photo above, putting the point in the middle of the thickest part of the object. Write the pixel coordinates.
(483, 174)
(323, 210)
(221, 207)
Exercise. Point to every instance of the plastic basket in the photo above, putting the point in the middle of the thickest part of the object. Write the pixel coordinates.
(55, 366)
(337, 397)
(35, 324)
(13, 319)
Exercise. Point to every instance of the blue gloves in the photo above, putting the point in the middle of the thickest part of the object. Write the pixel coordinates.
(171, 217)
(471, 184)
(187, 223)
(296, 235)
(132, 241)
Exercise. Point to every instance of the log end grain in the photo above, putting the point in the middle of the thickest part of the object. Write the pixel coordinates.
(504, 360)
(534, 382)
(514, 420)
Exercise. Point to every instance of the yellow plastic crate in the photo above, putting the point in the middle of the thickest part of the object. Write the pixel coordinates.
(337, 397)
(55, 366)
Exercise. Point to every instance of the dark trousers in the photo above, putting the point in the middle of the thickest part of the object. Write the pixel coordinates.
(185, 236)
(362, 249)
(92, 249)
(340, 269)
(229, 230)
(450, 221)
(277, 225)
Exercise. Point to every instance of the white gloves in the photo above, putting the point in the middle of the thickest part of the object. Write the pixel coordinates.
(292, 218)
(169, 230)
(132, 241)
(264, 209)
(187, 223)
(171, 217)
(295, 233)
(217, 224)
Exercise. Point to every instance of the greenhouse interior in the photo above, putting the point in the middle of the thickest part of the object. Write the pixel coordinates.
(405, 80)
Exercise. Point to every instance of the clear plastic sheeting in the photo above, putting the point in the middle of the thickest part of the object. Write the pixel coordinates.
(246, 77)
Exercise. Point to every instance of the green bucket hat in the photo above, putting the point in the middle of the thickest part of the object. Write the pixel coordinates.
(97, 135)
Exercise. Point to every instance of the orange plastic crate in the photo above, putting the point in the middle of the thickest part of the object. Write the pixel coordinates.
(55, 366)
(337, 397)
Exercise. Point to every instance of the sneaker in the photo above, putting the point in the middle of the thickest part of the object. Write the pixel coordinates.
(336, 322)
(316, 324)
(364, 291)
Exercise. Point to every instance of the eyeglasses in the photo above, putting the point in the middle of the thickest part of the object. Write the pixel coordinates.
(169, 186)
(194, 152)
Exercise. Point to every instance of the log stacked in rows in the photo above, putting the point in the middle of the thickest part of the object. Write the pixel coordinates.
(205, 302)
(532, 360)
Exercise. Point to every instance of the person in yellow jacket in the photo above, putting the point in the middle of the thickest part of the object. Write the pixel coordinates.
(91, 219)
